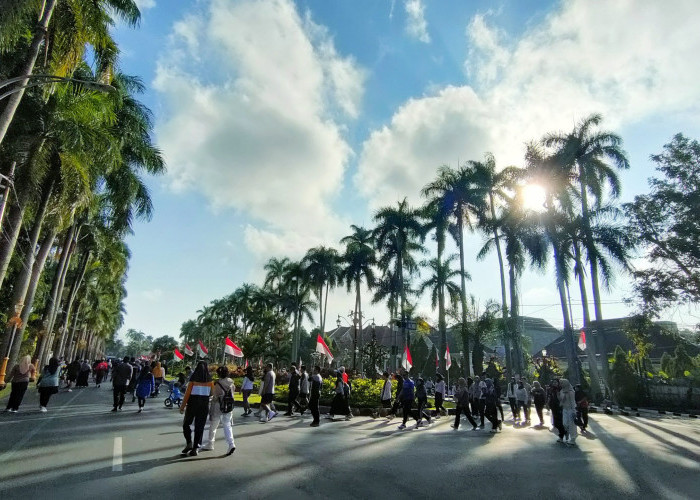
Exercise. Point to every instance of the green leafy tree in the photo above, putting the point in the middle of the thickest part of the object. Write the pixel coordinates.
(624, 382)
(164, 344)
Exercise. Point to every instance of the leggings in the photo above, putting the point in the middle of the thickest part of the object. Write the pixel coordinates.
(142, 402)
(313, 406)
(17, 395)
(464, 409)
(406, 405)
(438, 402)
(246, 403)
(45, 394)
(421, 412)
(538, 409)
(196, 411)
(514, 408)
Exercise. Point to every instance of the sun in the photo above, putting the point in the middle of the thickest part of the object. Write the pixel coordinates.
(534, 197)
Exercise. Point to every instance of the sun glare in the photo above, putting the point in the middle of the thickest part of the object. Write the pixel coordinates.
(533, 197)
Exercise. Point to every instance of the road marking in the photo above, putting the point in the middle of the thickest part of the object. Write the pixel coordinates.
(117, 455)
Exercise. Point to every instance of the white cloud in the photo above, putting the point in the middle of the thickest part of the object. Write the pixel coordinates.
(152, 295)
(627, 60)
(145, 4)
(416, 25)
(257, 96)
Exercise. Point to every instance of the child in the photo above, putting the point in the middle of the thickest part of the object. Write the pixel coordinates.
(145, 385)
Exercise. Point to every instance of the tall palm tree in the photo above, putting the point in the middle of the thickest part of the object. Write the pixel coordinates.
(322, 269)
(358, 265)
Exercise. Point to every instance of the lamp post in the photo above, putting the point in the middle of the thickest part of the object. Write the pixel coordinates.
(15, 321)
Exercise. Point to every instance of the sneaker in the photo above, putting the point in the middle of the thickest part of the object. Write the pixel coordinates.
(314, 424)
(246, 414)
(560, 440)
(475, 428)
(349, 417)
(330, 417)
(43, 409)
(454, 426)
(186, 449)
(207, 447)
(571, 442)
(139, 410)
(402, 427)
(287, 414)
(193, 452)
(69, 390)
(272, 415)
(419, 424)
(230, 451)
(114, 409)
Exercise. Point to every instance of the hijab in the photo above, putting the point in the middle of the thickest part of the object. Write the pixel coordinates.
(25, 364)
(53, 366)
(201, 373)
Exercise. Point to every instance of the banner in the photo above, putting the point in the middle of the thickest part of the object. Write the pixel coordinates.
(448, 358)
(232, 349)
(203, 351)
(407, 362)
(323, 348)
(582, 341)
(188, 350)
(178, 355)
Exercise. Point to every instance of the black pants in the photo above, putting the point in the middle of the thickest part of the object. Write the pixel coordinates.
(482, 407)
(500, 408)
(45, 394)
(17, 395)
(558, 420)
(395, 407)
(538, 409)
(438, 402)
(142, 402)
(302, 402)
(292, 402)
(491, 414)
(474, 403)
(119, 391)
(313, 406)
(406, 405)
(514, 408)
(583, 415)
(421, 412)
(463, 410)
(99, 376)
(196, 411)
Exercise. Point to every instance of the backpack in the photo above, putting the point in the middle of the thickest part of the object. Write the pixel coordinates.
(226, 401)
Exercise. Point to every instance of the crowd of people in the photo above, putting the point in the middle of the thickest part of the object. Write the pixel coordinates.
(204, 399)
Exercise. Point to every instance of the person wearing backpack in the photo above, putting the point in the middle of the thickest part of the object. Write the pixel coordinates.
(462, 397)
(221, 410)
(407, 397)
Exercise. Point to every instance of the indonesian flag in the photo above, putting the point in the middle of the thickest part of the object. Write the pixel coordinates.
(448, 358)
(246, 363)
(260, 363)
(323, 348)
(437, 359)
(188, 350)
(203, 351)
(178, 355)
(582, 341)
(407, 362)
(232, 349)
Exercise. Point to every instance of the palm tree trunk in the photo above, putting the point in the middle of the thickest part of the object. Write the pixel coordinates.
(463, 291)
(82, 267)
(359, 312)
(37, 269)
(10, 233)
(14, 100)
(442, 324)
(70, 344)
(21, 285)
(502, 273)
(515, 319)
(320, 308)
(325, 308)
(571, 355)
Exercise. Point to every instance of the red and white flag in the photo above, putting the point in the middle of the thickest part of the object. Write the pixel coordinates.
(437, 359)
(232, 349)
(178, 355)
(246, 363)
(407, 362)
(203, 351)
(188, 350)
(448, 358)
(323, 348)
(260, 363)
(582, 341)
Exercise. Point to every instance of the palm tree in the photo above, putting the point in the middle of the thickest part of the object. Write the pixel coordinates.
(359, 260)
(322, 269)
(396, 237)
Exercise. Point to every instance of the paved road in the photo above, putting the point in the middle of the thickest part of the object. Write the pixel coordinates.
(81, 450)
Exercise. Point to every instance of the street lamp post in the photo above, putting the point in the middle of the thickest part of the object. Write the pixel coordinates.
(15, 321)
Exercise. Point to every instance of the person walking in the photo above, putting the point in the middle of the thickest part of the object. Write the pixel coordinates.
(121, 376)
(397, 398)
(581, 407)
(158, 377)
(48, 383)
(512, 400)
(521, 397)
(145, 386)
(556, 409)
(195, 405)
(340, 404)
(385, 394)
(422, 402)
(315, 396)
(72, 371)
(491, 405)
(268, 394)
(303, 400)
(20, 376)
(84, 374)
(407, 397)
(477, 408)
(440, 396)
(539, 397)
(567, 398)
(462, 407)
(101, 370)
(293, 393)
(221, 410)
(246, 390)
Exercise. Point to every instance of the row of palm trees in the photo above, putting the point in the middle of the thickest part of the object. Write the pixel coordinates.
(79, 158)
(578, 227)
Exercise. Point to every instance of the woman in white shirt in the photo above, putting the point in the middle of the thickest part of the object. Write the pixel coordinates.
(440, 395)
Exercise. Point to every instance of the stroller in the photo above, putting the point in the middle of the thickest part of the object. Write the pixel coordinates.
(174, 396)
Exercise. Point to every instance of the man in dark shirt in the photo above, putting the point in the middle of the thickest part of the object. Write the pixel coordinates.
(122, 374)
(293, 390)
(316, 384)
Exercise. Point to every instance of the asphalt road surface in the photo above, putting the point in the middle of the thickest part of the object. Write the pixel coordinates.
(80, 450)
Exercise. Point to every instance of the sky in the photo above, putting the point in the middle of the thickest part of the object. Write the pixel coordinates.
(283, 122)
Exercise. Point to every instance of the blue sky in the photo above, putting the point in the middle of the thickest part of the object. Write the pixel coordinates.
(284, 122)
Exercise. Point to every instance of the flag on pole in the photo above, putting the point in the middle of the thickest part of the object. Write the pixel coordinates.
(246, 363)
(407, 362)
(437, 359)
(203, 351)
(232, 349)
(188, 350)
(178, 355)
(260, 363)
(582, 340)
(323, 348)
(448, 358)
